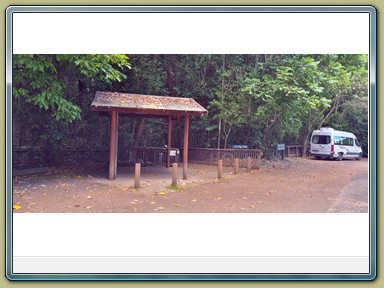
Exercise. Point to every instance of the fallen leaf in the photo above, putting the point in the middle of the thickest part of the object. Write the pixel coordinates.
(219, 198)
(89, 197)
(78, 177)
(16, 207)
(162, 193)
(88, 207)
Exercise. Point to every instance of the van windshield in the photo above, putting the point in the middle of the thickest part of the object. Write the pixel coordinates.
(321, 139)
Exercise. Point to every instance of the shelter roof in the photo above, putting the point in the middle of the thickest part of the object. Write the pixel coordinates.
(146, 105)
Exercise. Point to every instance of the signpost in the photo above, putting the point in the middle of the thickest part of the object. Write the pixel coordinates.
(239, 146)
(280, 147)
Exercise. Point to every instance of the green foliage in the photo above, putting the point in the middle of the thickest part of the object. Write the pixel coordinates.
(257, 100)
(41, 79)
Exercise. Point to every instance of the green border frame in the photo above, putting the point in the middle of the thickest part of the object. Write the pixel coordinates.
(269, 3)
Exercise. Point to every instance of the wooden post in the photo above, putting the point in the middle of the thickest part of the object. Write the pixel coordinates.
(116, 142)
(169, 141)
(249, 164)
(219, 169)
(174, 174)
(258, 159)
(137, 175)
(185, 152)
(113, 148)
(236, 166)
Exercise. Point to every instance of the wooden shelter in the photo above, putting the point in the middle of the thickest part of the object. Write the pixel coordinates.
(149, 106)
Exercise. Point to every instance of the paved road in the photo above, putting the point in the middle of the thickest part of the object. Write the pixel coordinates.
(354, 196)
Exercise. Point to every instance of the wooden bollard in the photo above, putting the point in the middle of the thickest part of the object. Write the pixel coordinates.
(236, 166)
(258, 160)
(220, 169)
(249, 164)
(137, 175)
(174, 174)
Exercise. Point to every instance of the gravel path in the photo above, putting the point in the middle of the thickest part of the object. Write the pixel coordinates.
(293, 186)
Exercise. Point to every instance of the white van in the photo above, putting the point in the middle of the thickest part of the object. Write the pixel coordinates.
(330, 143)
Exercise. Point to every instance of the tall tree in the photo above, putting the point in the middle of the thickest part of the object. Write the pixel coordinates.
(41, 79)
(229, 102)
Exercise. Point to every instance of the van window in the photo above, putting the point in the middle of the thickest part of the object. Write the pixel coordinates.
(321, 139)
(341, 140)
(357, 143)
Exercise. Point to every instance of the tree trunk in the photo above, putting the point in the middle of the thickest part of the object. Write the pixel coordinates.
(309, 131)
(227, 132)
(139, 126)
(218, 136)
(138, 131)
(171, 79)
(225, 141)
(305, 146)
(334, 107)
(222, 93)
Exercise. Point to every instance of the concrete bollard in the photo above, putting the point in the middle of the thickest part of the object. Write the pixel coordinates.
(236, 166)
(249, 164)
(174, 174)
(220, 169)
(137, 175)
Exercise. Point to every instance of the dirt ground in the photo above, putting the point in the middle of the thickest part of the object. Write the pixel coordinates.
(293, 185)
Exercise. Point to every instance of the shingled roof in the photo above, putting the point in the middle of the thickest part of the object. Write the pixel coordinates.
(146, 104)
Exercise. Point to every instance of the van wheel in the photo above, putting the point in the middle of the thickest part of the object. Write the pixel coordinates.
(360, 156)
(318, 157)
(339, 157)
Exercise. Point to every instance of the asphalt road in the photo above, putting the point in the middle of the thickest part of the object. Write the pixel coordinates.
(354, 196)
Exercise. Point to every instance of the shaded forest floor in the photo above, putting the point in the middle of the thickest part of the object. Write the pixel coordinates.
(293, 185)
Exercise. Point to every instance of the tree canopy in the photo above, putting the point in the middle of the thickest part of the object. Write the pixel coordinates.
(255, 100)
